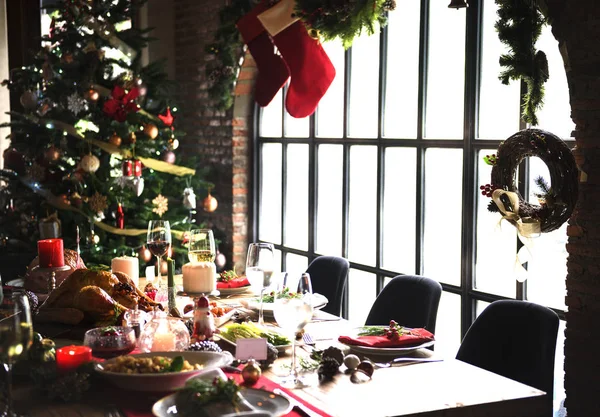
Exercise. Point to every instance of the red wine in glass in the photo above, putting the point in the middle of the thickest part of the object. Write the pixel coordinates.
(158, 247)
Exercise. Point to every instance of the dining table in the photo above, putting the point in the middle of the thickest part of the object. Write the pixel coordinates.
(445, 387)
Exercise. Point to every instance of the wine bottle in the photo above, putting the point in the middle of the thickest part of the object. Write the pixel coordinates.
(171, 283)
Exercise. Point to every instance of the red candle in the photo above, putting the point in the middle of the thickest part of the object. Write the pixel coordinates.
(51, 253)
(69, 358)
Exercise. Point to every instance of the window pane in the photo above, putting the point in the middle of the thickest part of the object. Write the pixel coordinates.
(446, 74)
(443, 215)
(555, 115)
(479, 307)
(362, 291)
(363, 204)
(296, 128)
(270, 117)
(270, 197)
(499, 110)
(399, 210)
(447, 327)
(296, 223)
(295, 265)
(364, 87)
(402, 81)
(496, 242)
(330, 113)
(329, 204)
(547, 267)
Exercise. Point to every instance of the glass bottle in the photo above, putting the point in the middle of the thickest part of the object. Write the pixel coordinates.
(135, 319)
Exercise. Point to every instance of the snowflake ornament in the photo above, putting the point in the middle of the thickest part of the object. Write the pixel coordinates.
(76, 104)
(161, 205)
(98, 202)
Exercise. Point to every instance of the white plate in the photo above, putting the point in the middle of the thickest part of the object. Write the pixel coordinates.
(231, 291)
(280, 348)
(261, 400)
(219, 321)
(319, 301)
(397, 351)
(168, 381)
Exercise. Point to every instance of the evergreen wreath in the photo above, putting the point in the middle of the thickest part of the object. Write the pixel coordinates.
(343, 19)
(556, 202)
(519, 26)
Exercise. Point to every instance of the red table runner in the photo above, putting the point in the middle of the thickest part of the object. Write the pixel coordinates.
(140, 405)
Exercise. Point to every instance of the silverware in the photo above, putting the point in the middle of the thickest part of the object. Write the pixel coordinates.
(404, 360)
(308, 340)
(297, 406)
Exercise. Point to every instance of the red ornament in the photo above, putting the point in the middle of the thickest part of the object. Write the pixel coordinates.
(127, 168)
(120, 217)
(167, 118)
(137, 168)
(121, 103)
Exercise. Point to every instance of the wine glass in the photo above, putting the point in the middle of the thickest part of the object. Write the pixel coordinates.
(16, 336)
(202, 246)
(159, 242)
(259, 271)
(293, 309)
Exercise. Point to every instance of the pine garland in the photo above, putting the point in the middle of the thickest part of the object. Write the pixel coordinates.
(519, 26)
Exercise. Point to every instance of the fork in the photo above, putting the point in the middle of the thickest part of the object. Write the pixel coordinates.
(308, 340)
(405, 360)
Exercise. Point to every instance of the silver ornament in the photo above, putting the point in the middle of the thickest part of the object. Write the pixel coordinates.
(189, 198)
(99, 216)
(76, 104)
(137, 185)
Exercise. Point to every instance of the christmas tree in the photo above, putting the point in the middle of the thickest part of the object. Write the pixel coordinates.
(93, 148)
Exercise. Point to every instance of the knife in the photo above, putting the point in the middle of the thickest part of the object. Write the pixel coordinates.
(296, 405)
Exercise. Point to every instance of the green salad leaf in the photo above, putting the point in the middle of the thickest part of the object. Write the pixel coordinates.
(235, 331)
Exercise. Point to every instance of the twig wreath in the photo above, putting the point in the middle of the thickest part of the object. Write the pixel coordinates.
(556, 201)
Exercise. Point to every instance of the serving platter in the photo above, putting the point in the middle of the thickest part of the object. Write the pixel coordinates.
(319, 301)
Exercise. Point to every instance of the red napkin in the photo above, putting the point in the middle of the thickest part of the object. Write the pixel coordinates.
(234, 283)
(408, 338)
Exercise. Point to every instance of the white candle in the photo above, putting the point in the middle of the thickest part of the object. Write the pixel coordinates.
(163, 341)
(128, 265)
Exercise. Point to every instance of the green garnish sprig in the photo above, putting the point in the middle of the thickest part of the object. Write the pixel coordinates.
(285, 293)
(198, 392)
(393, 331)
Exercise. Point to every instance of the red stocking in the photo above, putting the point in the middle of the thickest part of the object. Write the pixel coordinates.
(273, 72)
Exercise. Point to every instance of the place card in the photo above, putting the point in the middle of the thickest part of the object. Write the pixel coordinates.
(251, 349)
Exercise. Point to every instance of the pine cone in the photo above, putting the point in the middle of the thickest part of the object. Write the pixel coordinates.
(389, 5)
(328, 369)
(335, 353)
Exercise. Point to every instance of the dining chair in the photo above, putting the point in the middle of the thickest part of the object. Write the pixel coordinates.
(515, 339)
(410, 300)
(329, 275)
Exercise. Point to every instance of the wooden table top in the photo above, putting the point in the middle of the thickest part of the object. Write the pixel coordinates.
(446, 388)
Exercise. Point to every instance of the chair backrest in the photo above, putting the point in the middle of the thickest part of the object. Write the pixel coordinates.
(410, 300)
(515, 339)
(329, 275)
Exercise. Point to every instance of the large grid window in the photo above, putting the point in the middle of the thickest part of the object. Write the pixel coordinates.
(387, 172)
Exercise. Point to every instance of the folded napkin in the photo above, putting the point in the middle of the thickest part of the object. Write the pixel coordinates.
(234, 283)
(408, 338)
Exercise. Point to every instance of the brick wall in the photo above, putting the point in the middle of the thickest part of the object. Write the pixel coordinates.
(220, 138)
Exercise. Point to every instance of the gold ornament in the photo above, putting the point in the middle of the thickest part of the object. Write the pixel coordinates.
(67, 58)
(173, 143)
(151, 130)
(52, 154)
(210, 203)
(251, 373)
(115, 140)
(90, 163)
(161, 203)
(93, 238)
(145, 254)
(65, 199)
(98, 202)
(132, 138)
(92, 95)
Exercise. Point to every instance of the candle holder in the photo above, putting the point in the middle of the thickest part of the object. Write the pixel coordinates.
(51, 274)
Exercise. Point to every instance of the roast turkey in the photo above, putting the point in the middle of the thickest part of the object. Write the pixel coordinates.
(37, 281)
(102, 296)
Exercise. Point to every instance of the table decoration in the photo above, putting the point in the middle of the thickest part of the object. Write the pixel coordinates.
(51, 253)
(111, 341)
(129, 265)
(231, 332)
(204, 322)
(69, 358)
(163, 334)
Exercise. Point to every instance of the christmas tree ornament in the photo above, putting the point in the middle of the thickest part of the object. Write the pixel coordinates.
(76, 200)
(220, 260)
(169, 157)
(67, 58)
(121, 103)
(251, 373)
(144, 254)
(167, 118)
(64, 199)
(14, 160)
(52, 154)
(45, 106)
(36, 172)
(311, 70)
(76, 104)
(98, 217)
(210, 203)
(173, 143)
(137, 185)
(151, 130)
(93, 238)
(161, 205)
(115, 140)
(189, 198)
(132, 138)
(98, 202)
(90, 163)
(120, 217)
(328, 368)
(50, 227)
(47, 72)
(92, 95)
(273, 72)
(389, 5)
(351, 361)
(29, 100)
